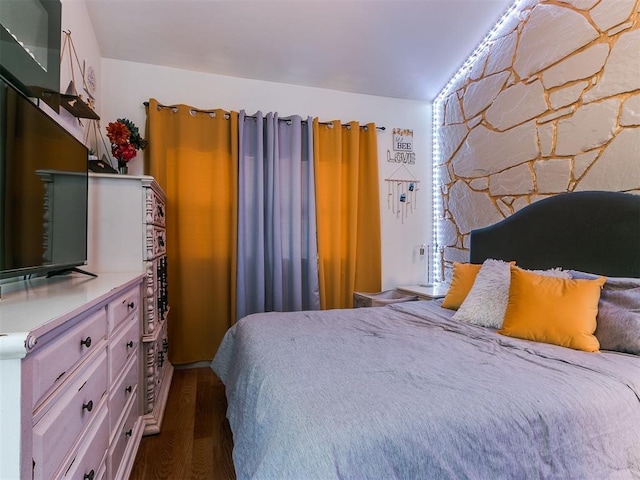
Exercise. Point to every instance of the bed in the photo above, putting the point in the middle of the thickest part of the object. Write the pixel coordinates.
(408, 391)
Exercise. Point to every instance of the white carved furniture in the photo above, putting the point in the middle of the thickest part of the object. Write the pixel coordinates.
(128, 232)
(69, 363)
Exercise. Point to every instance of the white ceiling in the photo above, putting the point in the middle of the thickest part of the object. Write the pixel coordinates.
(406, 49)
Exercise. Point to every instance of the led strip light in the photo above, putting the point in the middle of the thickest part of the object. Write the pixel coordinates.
(437, 113)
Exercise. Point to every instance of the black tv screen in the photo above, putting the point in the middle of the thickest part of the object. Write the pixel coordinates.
(43, 190)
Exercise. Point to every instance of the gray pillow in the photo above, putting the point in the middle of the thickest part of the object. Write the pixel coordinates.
(618, 317)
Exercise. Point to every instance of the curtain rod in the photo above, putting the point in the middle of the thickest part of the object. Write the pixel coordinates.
(212, 113)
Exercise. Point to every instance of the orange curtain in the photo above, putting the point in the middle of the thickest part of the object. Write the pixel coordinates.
(348, 211)
(194, 157)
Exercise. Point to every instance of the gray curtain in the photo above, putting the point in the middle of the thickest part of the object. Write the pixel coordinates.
(277, 248)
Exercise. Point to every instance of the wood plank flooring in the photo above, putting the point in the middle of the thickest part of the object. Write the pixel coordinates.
(195, 442)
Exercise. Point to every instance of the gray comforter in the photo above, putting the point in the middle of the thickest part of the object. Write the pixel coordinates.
(405, 392)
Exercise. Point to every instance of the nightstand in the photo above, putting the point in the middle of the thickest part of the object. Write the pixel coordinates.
(381, 299)
(426, 293)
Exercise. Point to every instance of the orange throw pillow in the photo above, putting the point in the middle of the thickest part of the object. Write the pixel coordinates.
(553, 310)
(464, 274)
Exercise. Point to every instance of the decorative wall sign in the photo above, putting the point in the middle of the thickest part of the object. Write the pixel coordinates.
(402, 140)
(402, 146)
(408, 158)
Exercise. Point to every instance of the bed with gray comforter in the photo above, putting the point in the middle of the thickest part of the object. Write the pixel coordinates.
(406, 392)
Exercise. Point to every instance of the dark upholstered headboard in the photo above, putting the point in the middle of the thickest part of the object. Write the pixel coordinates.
(597, 232)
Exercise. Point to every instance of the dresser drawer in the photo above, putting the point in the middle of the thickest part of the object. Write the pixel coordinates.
(156, 208)
(55, 433)
(91, 453)
(123, 436)
(53, 364)
(156, 294)
(122, 347)
(123, 307)
(156, 241)
(126, 388)
(155, 355)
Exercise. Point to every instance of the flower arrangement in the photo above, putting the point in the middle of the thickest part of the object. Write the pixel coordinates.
(125, 140)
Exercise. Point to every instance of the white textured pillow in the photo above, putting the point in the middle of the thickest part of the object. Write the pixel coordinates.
(487, 300)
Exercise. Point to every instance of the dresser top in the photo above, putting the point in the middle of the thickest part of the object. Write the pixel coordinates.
(34, 307)
(426, 291)
(118, 177)
(112, 178)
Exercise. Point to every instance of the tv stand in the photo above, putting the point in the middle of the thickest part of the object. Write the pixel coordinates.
(70, 270)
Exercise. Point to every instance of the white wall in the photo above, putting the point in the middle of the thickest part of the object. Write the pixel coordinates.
(124, 86)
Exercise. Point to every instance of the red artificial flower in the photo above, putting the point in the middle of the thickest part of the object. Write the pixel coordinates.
(118, 133)
(123, 152)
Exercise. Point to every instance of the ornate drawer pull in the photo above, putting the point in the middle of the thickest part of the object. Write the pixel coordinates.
(128, 432)
(86, 342)
(88, 406)
(128, 389)
(131, 305)
(90, 475)
(130, 344)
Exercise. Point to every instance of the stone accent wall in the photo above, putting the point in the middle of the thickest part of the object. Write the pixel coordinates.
(551, 106)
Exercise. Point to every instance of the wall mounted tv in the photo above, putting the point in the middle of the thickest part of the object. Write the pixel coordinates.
(43, 191)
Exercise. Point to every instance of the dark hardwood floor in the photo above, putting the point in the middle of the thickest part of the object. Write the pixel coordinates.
(195, 441)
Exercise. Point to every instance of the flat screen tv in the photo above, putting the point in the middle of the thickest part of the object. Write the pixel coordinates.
(43, 191)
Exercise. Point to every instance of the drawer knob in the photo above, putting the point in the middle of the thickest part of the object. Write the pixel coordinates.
(131, 305)
(90, 475)
(130, 344)
(128, 432)
(86, 342)
(88, 406)
(128, 389)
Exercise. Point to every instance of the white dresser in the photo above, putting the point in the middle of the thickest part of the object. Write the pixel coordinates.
(69, 377)
(127, 231)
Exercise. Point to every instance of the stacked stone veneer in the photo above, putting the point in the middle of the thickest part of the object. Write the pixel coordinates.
(551, 106)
